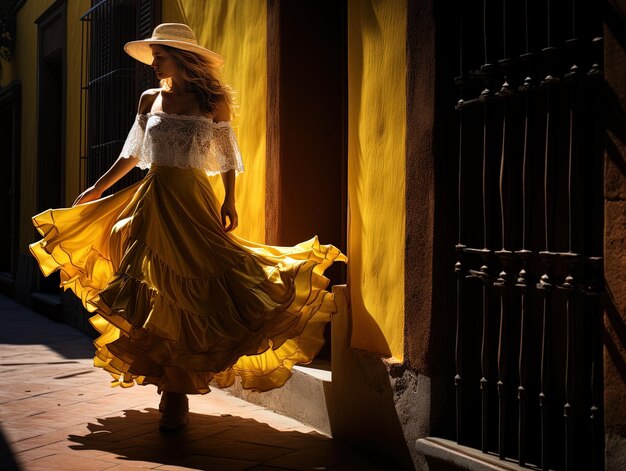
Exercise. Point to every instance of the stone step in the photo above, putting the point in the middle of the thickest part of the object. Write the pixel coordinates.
(7, 284)
(48, 304)
(302, 397)
(447, 455)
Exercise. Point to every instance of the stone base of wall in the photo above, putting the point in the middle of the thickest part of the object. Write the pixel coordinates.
(26, 279)
(75, 314)
(375, 404)
(303, 397)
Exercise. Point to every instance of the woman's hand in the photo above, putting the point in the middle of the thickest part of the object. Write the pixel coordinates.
(228, 209)
(90, 194)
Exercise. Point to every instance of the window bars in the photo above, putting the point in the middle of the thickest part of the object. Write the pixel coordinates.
(111, 83)
(528, 349)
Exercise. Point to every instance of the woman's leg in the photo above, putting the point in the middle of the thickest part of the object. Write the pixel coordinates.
(175, 411)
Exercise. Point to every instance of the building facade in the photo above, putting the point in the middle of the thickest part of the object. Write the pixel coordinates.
(468, 157)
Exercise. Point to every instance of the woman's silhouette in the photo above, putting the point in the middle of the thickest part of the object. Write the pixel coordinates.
(179, 300)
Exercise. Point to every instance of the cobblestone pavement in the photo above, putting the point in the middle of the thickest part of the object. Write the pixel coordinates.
(58, 412)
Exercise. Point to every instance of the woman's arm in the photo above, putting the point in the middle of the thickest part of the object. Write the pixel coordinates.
(222, 113)
(228, 178)
(228, 208)
(121, 166)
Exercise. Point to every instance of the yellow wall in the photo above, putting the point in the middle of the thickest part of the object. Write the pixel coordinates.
(75, 10)
(376, 171)
(236, 29)
(25, 70)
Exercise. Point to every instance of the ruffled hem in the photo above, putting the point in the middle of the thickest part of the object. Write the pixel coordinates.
(247, 310)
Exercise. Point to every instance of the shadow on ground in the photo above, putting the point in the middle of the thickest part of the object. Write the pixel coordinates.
(7, 462)
(218, 442)
(22, 326)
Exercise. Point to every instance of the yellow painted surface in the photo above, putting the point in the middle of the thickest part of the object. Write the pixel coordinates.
(72, 133)
(25, 70)
(376, 173)
(236, 29)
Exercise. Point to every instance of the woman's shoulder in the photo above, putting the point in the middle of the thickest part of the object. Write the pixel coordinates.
(147, 99)
(222, 112)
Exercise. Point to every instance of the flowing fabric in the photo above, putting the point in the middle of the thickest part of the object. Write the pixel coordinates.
(178, 301)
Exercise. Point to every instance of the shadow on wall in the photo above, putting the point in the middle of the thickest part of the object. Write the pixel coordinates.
(615, 344)
(614, 297)
(375, 404)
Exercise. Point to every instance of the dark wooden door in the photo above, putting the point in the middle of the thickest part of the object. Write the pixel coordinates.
(528, 351)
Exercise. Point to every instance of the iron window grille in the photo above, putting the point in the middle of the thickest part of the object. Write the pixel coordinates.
(111, 83)
(528, 350)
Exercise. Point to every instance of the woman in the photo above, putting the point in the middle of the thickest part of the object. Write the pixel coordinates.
(179, 300)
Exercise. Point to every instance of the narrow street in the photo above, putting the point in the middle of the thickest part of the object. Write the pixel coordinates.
(58, 412)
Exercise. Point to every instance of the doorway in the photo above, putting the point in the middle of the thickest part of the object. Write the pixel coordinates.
(10, 106)
(307, 128)
(51, 124)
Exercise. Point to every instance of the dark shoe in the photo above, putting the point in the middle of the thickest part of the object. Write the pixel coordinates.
(175, 412)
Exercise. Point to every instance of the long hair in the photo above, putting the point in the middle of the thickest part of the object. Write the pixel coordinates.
(201, 76)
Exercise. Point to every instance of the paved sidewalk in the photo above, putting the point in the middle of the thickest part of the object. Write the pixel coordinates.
(58, 412)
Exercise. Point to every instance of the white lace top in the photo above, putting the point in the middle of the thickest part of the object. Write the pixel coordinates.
(177, 140)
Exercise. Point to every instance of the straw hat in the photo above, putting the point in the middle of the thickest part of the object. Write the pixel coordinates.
(177, 35)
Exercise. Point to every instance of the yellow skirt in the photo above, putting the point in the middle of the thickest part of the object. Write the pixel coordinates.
(177, 300)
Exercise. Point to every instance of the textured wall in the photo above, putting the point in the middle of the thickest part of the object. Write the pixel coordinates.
(376, 173)
(237, 31)
(615, 240)
(25, 70)
(72, 153)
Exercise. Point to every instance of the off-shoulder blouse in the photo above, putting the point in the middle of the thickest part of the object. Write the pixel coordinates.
(179, 140)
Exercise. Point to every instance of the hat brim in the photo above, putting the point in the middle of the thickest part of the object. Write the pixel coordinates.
(142, 51)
